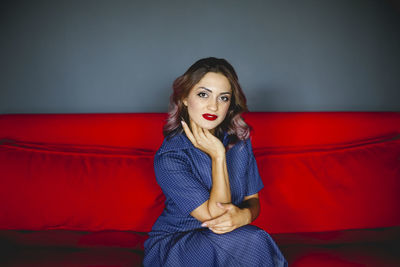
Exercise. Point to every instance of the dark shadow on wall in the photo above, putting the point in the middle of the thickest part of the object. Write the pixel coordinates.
(395, 4)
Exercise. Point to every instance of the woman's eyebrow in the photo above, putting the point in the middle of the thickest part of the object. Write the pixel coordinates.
(223, 93)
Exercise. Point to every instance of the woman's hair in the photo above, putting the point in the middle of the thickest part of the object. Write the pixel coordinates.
(233, 123)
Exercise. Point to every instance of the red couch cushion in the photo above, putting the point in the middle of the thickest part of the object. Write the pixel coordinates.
(77, 187)
(323, 188)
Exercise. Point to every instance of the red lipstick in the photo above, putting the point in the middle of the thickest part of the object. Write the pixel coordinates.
(210, 117)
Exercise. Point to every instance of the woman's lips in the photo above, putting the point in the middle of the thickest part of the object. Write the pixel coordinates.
(210, 117)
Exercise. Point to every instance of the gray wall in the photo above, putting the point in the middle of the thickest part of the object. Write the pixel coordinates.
(122, 56)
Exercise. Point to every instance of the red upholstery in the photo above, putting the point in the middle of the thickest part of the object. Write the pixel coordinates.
(322, 171)
(137, 130)
(286, 129)
(331, 188)
(85, 171)
(76, 187)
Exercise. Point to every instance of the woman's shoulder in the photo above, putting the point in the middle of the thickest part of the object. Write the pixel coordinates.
(176, 143)
(172, 155)
(241, 149)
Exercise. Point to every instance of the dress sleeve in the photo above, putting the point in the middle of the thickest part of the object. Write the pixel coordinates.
(178, 183)
(255, 183)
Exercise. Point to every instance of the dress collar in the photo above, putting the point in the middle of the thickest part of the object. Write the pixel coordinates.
(180, 142)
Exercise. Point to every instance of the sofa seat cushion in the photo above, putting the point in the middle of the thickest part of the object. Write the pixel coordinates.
(19, 248)
(70, 257)
(358, 247)
(343, 255)
(74, 239)
(361, 247)
(349, 255)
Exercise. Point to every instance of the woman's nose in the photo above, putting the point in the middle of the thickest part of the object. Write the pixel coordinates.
(213, 105)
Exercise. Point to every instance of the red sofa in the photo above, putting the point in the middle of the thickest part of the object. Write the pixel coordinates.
(79, 189)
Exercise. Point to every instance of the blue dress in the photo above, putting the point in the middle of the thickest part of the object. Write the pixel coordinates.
(177, 239)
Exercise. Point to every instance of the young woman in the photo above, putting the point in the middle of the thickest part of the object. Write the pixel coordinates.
(208, 174)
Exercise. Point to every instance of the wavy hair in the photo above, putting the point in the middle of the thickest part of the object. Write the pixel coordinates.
(233, 123)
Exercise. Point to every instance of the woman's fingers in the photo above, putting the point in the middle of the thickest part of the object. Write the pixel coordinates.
(201, 133)
(223, 225)
(195, 129)
(224, 228)
(194, 135)
(222, 231)
(198, 133)
(231, 219)
(207, 133)
(204, 140)
(223, 220)
(189, 133)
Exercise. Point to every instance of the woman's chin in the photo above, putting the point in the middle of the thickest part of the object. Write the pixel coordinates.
(209, 126)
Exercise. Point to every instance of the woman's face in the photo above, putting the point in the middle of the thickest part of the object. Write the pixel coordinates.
(208, 101)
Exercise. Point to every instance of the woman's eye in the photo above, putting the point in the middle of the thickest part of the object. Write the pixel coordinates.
(202, 94)
(225, 98)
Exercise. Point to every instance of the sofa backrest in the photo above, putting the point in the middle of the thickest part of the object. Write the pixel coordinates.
(144, 130)
(136, 130)
(321, 170)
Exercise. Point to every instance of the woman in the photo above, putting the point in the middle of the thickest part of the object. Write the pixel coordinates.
(208, 174)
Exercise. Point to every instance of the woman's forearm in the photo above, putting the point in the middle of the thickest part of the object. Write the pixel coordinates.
(220, 190)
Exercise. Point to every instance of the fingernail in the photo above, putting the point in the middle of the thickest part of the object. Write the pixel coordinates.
(203, 225)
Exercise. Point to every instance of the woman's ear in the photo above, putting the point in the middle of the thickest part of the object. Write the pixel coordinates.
(184, 101)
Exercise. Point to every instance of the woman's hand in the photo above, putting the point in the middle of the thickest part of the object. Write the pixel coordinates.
(204, 140)
(232, 218)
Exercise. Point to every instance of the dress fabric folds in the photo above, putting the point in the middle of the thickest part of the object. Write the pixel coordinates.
(178, 239)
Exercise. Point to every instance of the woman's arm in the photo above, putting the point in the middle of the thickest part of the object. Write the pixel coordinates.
(220, 190)
(235, 217)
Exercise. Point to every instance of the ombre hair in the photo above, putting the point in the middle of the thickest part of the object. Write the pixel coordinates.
(233, 123)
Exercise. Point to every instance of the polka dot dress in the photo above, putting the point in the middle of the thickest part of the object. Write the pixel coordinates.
(177, 239)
